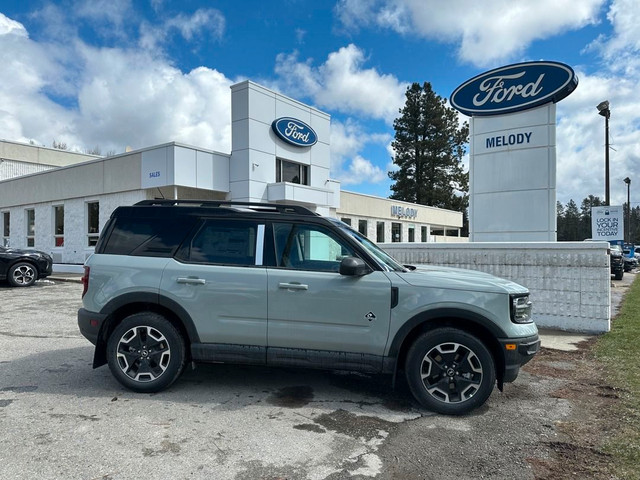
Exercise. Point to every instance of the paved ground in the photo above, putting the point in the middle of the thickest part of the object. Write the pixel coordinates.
(59, 418)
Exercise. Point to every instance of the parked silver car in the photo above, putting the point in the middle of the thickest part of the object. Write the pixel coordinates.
(267, 284)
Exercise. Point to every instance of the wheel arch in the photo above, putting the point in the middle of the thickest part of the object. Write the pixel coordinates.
(475, 324)
(129, 304)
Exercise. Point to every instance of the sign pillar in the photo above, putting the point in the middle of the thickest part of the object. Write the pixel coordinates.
(512, 174)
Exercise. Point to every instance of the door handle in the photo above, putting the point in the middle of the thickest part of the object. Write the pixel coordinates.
(191, 280)
(293, 286)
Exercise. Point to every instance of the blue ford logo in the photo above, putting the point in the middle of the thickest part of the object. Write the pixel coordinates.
(294, 131)
(515, 87)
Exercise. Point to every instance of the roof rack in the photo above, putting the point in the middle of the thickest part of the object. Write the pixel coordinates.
(240, 206)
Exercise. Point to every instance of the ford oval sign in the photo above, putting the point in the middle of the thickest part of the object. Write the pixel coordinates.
(294, 131)
(515, 87)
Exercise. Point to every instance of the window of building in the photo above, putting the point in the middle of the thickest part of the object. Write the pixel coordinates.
(453, 232)
(424, 236)
(437, 231)
(346, 220)
(396, 232)
(362, 227)
(292, 172)
(30, 220)
(6, 232)
(380, 232)
(58, 225)
(93, 223)
(412, 234)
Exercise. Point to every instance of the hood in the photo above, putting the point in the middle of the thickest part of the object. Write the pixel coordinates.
(22, 252)
(461, 279)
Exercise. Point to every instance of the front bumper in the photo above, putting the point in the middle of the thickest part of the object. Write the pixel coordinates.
(514, 358)
(90, 324)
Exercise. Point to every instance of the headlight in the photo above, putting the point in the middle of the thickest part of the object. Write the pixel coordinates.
(521, 309)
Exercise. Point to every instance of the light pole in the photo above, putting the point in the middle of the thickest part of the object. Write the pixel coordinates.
(628, 182)
(603, 109)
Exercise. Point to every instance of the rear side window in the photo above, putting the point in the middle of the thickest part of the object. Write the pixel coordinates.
(148, 237)
(224, 242)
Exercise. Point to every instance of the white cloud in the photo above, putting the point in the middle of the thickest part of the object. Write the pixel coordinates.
(342, 84)
(11, 27)
(362, 170)
(117, 97)
(486, 31)
(203, 22)
(347, 163)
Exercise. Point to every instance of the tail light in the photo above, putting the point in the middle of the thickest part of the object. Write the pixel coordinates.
(85, 281)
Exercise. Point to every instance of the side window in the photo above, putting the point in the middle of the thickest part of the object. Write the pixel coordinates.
(223, 242)
(308, 247)
(148, 237)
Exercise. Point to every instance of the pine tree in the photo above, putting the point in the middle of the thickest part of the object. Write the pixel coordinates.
(429, 145)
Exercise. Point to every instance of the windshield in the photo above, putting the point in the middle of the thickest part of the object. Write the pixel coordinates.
(384, 259)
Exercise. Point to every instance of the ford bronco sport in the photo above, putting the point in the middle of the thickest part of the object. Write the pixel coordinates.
(175, 281)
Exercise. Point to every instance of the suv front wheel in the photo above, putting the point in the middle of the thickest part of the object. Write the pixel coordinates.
(450, 371)
(146, 353)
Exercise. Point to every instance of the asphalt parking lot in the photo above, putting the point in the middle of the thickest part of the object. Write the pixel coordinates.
(59, 418)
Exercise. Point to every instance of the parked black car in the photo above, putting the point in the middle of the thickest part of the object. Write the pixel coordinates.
(21, 268)
(617, 262)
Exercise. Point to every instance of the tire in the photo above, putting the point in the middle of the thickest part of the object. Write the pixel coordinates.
(450, 371)
(619, 274)
(22, 274)
(146, 353)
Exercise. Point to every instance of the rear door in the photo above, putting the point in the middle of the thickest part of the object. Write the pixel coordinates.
(218, 277)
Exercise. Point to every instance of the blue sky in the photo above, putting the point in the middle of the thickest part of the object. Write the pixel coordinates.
(117, 73)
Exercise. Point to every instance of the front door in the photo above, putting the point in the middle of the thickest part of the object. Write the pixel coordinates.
(312, 306)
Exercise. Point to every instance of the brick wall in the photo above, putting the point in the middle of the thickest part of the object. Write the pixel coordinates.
(569, 281)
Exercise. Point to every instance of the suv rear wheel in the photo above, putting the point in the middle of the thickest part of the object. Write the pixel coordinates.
(146, 353)
(450, 371)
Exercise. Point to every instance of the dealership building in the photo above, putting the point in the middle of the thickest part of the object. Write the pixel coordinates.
(59, 201)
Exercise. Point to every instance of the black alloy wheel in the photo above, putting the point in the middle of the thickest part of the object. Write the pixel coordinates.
(22, 274)
(450, 371)
(146, 353)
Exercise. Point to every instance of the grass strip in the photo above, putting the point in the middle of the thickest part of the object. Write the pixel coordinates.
(619, 352)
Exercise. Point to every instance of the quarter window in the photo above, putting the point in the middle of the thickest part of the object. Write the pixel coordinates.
(292, 172)
(93, 223)
(58, 226)
(30, 215)
(308, 247)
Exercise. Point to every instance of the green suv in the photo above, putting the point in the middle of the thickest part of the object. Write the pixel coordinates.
(174, 281)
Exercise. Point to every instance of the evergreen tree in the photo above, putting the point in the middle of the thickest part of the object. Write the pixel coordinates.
(572, 221)
(429, 145)
(585, 215)
(561, 227)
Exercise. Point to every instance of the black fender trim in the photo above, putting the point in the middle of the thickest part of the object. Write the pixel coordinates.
(138, 298)
(436, 314)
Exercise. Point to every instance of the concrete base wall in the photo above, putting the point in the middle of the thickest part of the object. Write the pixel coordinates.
(569, 281)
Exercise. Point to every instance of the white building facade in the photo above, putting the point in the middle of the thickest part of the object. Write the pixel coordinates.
(280, 153)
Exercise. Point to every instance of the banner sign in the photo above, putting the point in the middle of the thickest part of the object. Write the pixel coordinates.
(607, 223)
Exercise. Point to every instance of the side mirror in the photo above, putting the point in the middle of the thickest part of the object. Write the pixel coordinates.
(353, 266)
